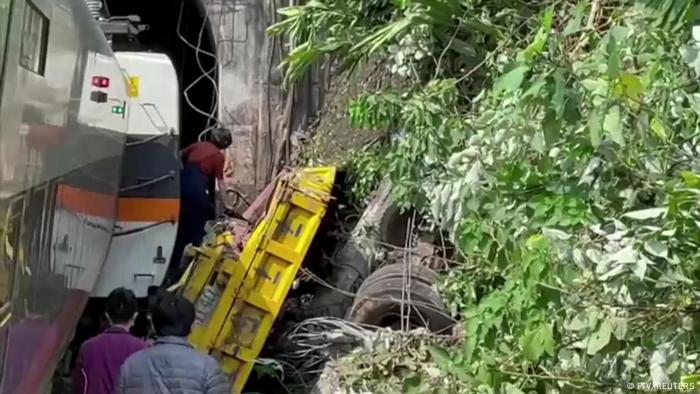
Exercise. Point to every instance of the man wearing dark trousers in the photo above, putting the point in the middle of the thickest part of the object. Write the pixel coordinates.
(203, 166)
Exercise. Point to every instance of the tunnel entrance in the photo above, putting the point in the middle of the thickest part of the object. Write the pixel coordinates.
(181, 30)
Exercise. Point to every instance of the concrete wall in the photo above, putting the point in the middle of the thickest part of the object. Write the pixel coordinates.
(239, 29)
(251, 101)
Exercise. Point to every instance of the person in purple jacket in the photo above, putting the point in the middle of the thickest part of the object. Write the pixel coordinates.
(101, 357)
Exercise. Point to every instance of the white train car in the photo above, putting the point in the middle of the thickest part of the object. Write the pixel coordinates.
(149, 198)
(63, 124)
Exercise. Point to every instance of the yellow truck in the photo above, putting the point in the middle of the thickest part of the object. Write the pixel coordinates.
(240, 277)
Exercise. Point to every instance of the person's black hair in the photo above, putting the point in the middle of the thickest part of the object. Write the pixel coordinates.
(121, 305)
(221, 137)
(172, 315)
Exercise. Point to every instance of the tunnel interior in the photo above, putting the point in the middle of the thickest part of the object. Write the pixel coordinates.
(180, 29)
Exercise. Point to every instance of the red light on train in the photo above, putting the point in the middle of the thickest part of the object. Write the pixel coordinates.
(100, 82)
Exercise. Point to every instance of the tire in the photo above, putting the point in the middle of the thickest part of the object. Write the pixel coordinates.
(393, 225)
(349, 269)
(378, 301)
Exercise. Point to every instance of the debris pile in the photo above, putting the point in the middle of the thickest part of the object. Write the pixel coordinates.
(345, 354)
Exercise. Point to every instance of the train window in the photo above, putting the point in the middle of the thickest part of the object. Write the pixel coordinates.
(35, 35)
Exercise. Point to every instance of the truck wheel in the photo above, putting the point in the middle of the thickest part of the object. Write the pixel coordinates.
(393, 225)
(378, 301)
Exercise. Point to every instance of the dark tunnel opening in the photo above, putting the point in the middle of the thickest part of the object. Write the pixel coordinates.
(180, 29)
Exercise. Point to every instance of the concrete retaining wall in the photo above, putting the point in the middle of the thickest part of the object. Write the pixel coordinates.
(252, 102)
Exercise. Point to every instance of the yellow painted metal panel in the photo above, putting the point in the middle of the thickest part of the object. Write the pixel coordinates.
(134, 87)
(238, 299)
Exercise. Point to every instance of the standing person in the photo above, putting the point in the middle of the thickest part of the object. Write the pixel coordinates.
(101, 357)
(171, 365)
(203, 170)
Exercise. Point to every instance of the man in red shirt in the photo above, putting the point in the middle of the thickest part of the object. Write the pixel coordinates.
(203, 166)
(207, 156)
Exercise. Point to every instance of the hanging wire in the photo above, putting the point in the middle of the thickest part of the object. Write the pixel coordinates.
(205, 74)
(312, 343)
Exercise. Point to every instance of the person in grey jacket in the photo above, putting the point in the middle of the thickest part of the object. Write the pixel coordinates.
(171, 365)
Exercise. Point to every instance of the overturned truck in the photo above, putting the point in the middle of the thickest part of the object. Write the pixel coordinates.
(241, 276)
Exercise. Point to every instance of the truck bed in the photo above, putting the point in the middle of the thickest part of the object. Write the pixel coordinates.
(239, 279)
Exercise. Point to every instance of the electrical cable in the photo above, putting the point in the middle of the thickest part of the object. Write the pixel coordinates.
(197, 48)
(209, 116)
(311, 343)
(271, 158)
(206, 74)
(109, 14)
(214, 106)
(212, 118)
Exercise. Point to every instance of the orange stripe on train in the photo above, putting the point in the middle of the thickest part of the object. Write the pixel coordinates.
(129, 210)
(148, 209)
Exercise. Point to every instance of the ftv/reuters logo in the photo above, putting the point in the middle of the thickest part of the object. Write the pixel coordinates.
(670, 386)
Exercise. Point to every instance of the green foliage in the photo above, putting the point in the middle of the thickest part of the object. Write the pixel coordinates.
(414, 364)
(432, 134)
(365, 173)
(564, 168)
(353, 30)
